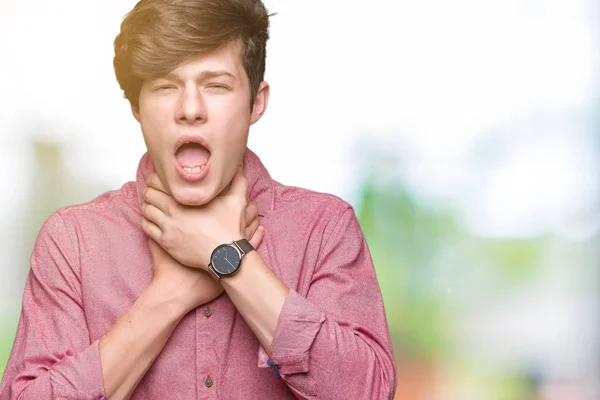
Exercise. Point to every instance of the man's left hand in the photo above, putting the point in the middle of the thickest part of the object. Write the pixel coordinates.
(190, 233)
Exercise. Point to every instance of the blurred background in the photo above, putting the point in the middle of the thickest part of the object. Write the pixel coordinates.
(466, 134)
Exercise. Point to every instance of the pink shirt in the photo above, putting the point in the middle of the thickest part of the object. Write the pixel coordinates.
(91, 262)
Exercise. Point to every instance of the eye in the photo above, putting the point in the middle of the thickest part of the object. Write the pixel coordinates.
(218, 87)
(164, 88)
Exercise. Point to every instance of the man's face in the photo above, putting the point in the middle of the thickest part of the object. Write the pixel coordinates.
(195, 122)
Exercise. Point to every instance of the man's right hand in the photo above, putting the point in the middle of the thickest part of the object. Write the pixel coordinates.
(188, 287)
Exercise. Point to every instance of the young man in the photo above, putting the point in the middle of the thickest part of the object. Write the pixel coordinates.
(152, 292)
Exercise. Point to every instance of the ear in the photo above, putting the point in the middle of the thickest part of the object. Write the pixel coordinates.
(136, 112)
(260, 102)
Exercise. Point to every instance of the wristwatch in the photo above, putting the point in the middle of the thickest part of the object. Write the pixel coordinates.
(226, 259)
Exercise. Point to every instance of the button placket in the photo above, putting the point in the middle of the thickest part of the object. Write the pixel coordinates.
(206, 366)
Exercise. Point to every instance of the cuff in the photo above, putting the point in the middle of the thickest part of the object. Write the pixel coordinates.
(298, 325)
(80, 374)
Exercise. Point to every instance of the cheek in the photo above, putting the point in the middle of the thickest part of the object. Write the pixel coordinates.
(230, 143)
(234, 122)
(153, 140)
(154, 130)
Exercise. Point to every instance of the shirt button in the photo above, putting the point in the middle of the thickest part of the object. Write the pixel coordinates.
(207, 312)
(208, 382)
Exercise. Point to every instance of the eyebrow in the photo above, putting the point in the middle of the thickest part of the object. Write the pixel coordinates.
(204, 75)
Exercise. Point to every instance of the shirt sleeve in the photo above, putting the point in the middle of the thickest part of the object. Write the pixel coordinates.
(334, 343)
(52, 357)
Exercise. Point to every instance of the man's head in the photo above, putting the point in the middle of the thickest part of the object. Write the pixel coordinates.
(193, 71)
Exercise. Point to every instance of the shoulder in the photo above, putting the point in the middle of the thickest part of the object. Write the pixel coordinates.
(65, 226)
(107, 202)
(306, 200)
(311, 211)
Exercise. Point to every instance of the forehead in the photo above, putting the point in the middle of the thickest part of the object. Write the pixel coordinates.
(227, 59)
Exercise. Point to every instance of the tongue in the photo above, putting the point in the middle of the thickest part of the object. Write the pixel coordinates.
(192, 155)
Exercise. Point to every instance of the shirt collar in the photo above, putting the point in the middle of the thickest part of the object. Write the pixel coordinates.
(260, 183)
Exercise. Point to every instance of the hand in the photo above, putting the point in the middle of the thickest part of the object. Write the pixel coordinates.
(189, 287)
(190, 234)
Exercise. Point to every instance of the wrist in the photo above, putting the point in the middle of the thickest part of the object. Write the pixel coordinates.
(169, 298)
(212, 247)
(228, 238)
(227, 258)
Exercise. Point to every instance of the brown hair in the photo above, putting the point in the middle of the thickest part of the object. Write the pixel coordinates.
(159, 35)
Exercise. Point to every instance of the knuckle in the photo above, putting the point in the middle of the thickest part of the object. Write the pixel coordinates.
(166, 242)
(166, 237)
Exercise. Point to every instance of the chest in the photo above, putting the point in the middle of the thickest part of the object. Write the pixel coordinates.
(212, 354)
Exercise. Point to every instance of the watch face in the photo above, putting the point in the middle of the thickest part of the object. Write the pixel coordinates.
(226, 259)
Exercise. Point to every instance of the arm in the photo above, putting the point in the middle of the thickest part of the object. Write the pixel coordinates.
(338, 330)
(258, 295)
(130, 347)
(333, 343)
(52, 355)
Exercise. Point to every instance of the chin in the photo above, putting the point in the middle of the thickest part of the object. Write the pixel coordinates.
(193, 196)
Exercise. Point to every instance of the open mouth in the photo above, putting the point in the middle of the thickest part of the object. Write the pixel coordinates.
(192, 154)
(192, 158)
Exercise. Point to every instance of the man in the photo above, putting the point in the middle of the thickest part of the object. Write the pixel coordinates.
(166, 288)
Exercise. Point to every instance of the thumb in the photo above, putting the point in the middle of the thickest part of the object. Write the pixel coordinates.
(155, 182)
(239, 184)
(258, 236)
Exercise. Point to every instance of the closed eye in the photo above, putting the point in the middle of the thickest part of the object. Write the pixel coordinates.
(162, 88)
(218, 87)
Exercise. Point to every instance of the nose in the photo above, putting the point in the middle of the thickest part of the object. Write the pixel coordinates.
(191, 108)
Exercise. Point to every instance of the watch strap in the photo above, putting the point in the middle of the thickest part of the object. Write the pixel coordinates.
(244, 245)
(213, 273)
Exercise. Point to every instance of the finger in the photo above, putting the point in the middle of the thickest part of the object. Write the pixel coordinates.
(151, 243)
(158, 199)
(251, 213)
(155, 182)
(250, 229)
(153, 214)
(239, 184)
(152, 230)
(153, 246)
(258, 237)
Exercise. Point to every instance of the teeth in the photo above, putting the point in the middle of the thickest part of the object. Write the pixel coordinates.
(193, 170)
